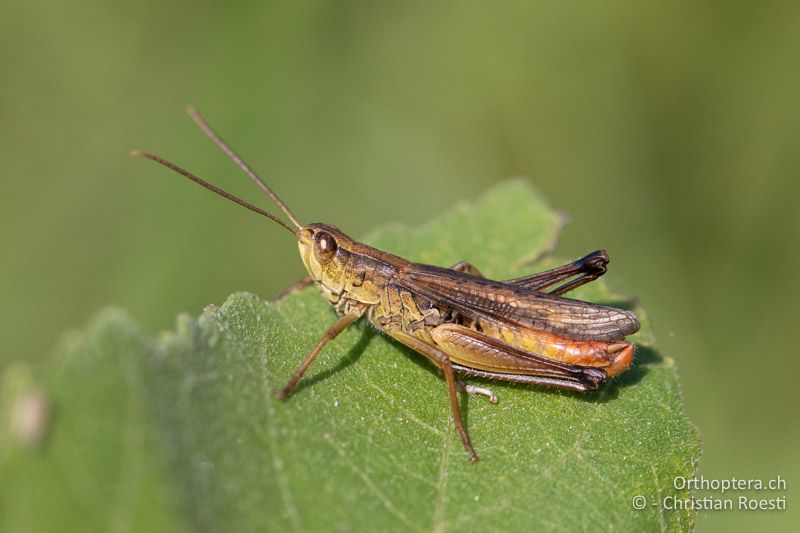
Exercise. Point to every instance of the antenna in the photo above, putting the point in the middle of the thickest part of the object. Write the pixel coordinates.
(214, 136)
(212, 188)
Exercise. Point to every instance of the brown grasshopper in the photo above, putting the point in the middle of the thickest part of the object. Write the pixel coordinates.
(519, 330)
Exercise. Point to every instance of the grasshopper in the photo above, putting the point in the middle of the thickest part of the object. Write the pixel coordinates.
(520, 330)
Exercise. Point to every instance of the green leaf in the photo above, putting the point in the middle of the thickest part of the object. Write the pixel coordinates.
(184, 432)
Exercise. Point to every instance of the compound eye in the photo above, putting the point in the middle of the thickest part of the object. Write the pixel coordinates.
(325, 246)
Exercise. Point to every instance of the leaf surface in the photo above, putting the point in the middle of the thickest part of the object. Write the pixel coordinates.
(184, 432)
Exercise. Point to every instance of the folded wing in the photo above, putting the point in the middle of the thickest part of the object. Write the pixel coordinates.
(485, 299)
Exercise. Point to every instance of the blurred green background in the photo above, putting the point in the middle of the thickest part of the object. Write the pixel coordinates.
(668, 131)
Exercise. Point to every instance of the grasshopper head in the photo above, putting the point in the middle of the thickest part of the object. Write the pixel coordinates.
(325, 252)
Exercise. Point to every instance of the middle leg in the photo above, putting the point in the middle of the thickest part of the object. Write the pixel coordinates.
(442, 361)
